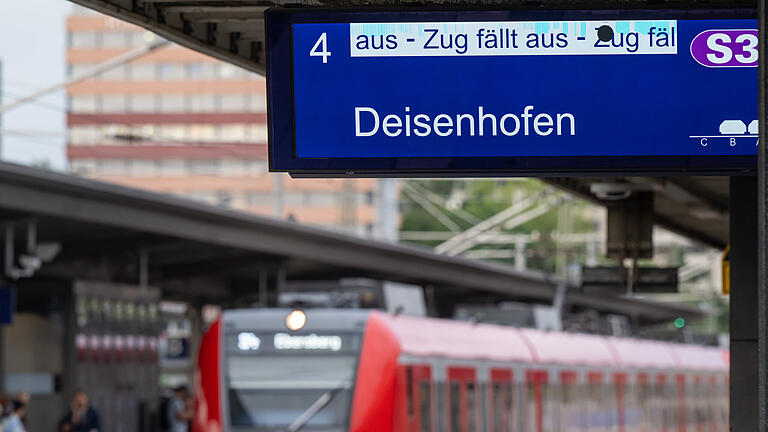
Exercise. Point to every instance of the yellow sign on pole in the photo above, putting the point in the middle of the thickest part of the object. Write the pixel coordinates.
(725, 264)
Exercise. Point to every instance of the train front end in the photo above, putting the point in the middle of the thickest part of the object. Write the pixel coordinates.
(279, 370)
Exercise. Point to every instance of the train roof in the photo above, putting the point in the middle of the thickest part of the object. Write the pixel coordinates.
(431, 337)
(461, 340)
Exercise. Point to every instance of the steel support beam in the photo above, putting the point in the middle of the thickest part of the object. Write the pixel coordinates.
(744, 305)
(761, 264)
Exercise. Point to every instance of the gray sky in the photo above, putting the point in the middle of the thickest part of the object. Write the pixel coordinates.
(32, 52)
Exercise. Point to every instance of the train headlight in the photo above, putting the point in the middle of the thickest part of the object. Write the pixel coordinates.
(295, 320)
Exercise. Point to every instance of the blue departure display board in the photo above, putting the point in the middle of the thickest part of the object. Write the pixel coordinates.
(512, 92)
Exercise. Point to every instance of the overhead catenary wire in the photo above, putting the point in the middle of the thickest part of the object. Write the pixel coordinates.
(87, 74)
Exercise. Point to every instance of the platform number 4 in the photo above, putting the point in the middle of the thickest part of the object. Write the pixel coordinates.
(321, 48)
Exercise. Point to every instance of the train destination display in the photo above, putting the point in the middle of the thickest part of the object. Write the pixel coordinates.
(512, 92)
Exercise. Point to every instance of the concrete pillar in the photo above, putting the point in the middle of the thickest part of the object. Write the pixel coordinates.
(744, 305)
(762, 240)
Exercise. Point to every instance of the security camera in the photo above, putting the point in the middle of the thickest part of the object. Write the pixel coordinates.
(30, 262)
(47, 251)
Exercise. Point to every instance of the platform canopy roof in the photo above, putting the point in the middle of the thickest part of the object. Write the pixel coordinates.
(203, 251)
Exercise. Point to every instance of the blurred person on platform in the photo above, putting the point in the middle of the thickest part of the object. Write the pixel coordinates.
(13, 421)
(81, 416)
(7, 404)
(179, 410)
(24, 398)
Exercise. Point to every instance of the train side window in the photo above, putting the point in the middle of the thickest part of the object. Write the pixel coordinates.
(569, 410)
(529, 406)
(455, 409)
(511, 410)
(498, 408)
(666, 399)
(409, 391)
(610, 404)
(644, 398)
(521, 390)
(673, 404)
(425, 394)
(702, 408)
(659, 417)
(503, 407)
(548, 406)
(471, 407)
(441, 401)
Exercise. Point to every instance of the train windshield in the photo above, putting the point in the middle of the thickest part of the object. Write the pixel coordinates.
(270, 389)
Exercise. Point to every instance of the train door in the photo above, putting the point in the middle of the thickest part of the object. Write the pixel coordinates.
(571, 408)
(538, 404)
(462, 400)
(416, 412)
(502, 412)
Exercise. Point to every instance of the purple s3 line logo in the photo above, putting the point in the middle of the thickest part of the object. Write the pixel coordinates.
(725, 48)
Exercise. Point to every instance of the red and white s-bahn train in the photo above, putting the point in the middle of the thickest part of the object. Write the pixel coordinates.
(365, 371)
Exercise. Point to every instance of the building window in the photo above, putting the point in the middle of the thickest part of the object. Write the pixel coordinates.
(115, 167)
(114, 39)
(171, 133)
(256, 133)
(143, 71)
(84, 135)
(84, 167)
(257, 103)
(144, 103)
(202, 132)
(194, 71)
(136, 39)
(233, 133)
(234, 103)
(210, 71)
(171, 167)
(258, 199)
(203, 167)
(170, 71)
(85, 40)
(142, 167)
(201, 103)
(84, 104)
(173, 103)
(114, 103)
